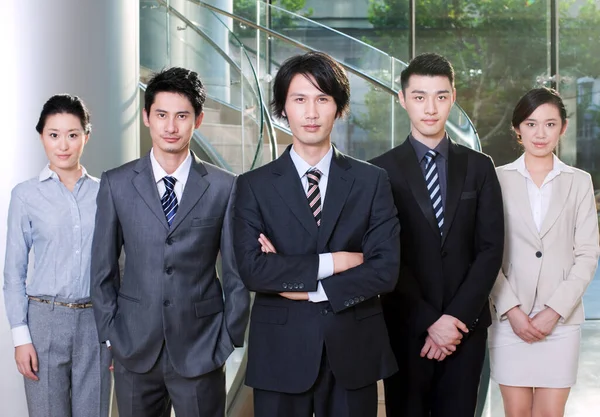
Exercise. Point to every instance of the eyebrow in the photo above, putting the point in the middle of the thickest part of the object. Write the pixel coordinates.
(177, 112)
(425, 92)
(70, 130)
(552, 119)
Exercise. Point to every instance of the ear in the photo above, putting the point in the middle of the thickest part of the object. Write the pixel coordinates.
(145, 117)
(87, 137)
(453, 95)
(199, 120)
(564, 127)
(401, 98)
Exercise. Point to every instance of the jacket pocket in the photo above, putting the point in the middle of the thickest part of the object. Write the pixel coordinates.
(209, 306)
(466, 195)
(269, 314)
(129, 298)
(205, 221)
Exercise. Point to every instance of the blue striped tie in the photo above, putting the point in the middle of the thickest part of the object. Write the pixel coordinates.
(169, 199)
(432, 180)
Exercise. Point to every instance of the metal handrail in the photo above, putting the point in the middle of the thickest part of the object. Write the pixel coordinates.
(264, 108)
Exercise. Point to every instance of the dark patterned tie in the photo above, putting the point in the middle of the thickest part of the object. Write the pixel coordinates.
(169, 199)
(314, 194)
(432, 180)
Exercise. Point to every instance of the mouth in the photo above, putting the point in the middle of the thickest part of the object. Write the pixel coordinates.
(63, 157)
(539, 144)
(430, 122)
(311, 128)
(170, 139)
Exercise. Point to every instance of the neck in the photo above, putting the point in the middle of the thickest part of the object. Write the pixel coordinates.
(430, 141)
(539, 163)
(68, 176)
(170, 161)
(312, 154)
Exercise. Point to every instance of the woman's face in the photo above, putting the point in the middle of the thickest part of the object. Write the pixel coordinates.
(541, 131)
(63, 138)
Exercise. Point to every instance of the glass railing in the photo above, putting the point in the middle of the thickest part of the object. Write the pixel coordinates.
(236, 127)
(376, 121)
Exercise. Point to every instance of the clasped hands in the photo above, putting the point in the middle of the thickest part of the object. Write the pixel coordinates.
(342, 261)
(443, 337)
(532, 329)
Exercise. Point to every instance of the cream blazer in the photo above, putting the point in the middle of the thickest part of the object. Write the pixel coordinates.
(558, 262)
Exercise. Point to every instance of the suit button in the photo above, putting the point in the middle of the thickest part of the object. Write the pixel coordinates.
(356, 299)
(361, 298)
(169, 241)
(295, 286)
(301, 285)
(351, 301)
(166, 303)
(169, 270)
(444, 254)
(538, 254)
(285, 286)
(324, 312)
(346, 303)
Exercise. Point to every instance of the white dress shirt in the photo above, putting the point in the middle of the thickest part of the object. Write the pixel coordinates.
(325, 259)
(181, 175)
(539, 198)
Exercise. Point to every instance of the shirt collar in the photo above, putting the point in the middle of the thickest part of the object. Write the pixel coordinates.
(47, 173)
(421, 149)
(558, 166)
(181, 173)
(302, 166)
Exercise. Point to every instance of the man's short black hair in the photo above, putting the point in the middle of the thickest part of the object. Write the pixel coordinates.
(428, 64)
(329, 75)
(176, 80)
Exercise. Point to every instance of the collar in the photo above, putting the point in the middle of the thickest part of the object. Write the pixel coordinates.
(558, 166)
(47, 173)
(302, 166)
(421, 149)
(181, 173)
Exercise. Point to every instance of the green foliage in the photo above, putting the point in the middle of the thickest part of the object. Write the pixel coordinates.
(279, 19)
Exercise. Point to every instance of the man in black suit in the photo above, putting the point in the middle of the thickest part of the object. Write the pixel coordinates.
(317, 238)
(450, 207)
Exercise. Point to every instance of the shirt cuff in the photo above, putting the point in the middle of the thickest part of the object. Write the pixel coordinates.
(319, 295)
(21, 335)
(325, 266)
(108, 343)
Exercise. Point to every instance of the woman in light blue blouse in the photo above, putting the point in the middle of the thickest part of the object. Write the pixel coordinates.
(56, 345)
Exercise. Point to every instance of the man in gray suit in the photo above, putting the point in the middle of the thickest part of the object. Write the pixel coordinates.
(170, 322)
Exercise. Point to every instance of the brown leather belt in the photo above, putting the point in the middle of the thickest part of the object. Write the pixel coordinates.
(58, 303)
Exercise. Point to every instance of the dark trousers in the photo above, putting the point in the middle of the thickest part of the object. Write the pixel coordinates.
(427, 388)
(153, 393)
(326, 398)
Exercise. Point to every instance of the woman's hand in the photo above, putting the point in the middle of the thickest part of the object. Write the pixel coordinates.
(27, 361)
(545, 320)
(521, 325)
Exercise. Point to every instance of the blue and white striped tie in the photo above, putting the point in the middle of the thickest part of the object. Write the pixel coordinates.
(169, 199)
(432, 180)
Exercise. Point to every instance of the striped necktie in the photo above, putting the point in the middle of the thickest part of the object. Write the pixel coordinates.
(432, 180)
(314, 194)
(169, 199)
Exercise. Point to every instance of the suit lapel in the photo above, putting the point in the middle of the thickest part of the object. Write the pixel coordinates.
(339, 184)
(561, 187)
(517, 186)
(457, 171)
(195, 188)
(145, 185)
(289, 187)
(407, 162)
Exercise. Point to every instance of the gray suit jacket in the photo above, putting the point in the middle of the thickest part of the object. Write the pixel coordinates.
(169, 291)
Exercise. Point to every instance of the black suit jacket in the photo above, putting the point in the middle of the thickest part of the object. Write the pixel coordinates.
(287, 337)
(453, 273)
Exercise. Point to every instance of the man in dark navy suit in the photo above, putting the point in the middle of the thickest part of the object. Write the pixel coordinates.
(317, 239)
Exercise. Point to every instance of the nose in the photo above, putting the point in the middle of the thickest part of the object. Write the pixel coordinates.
(310, 110)
(63, 143)
(430, 106)
(170, 126)
(540, 132)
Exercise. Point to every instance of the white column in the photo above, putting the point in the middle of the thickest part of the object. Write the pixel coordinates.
(84, 47)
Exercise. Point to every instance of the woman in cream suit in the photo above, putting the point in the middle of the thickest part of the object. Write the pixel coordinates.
(550, 256)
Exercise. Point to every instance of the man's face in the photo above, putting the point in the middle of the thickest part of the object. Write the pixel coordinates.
(309, 111)
(428, 101)
(172, 123)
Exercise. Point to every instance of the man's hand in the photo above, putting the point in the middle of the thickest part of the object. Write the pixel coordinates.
(522, 326)
(27, 361)
(545, 320)
(445, 331)
(296, 296)
(434, 351)
(343, 261)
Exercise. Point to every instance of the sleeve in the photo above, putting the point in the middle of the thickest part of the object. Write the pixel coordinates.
(474, 292)
(104, 270)
(237, 297)
(266, 273)
(503, 297)
(585, 253)
(19, 241)
(378, 274)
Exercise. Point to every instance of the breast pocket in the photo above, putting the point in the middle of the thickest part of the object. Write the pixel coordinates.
(467, 195)
(206, 221)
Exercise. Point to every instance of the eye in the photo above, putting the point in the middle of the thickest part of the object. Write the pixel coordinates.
(551, 124)
(441, 98)
(182, 116)
(161, 115)
(419, 98)
(299, 100)
(530, 124)
(323, 99)
(53, 135)
(73, 135)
